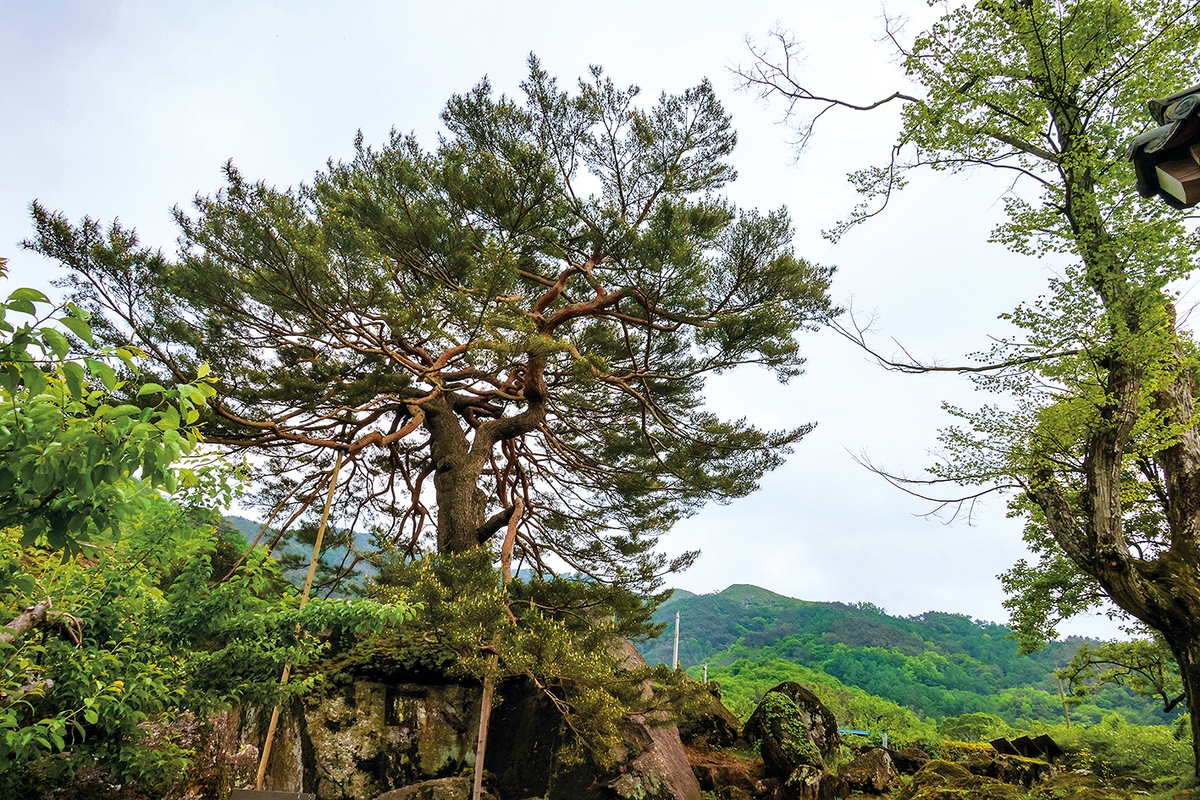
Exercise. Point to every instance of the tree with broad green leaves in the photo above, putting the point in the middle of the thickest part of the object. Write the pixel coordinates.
(1100, 449)
(1144, 665)
(528, 311)
(76, 461)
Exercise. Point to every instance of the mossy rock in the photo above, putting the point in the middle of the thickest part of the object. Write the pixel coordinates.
(1017, 770)
(704, 722)
(784, 737)
(795, 729)
(942, 780)
(1076, 786)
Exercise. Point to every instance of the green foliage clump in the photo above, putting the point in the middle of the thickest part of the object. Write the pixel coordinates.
(76, 460)
(567, 638)
(144, 633)
(1115, 748)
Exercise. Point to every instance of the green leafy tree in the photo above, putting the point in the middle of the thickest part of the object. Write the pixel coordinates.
(527, 311)
(76, 461)
(126, 606)
(143, 633)
(1100, 450)
(1144, 665)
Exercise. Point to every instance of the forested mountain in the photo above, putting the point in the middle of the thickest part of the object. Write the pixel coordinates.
(295, 551)
(938, 664)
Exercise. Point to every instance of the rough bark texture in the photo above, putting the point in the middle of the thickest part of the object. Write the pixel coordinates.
(1160, 589)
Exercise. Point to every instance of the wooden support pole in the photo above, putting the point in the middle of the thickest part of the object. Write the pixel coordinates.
(308, 582)
(489, 680)
(1063, 697)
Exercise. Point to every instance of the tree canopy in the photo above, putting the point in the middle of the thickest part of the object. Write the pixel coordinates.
(77, 461)
(1100, 450)
(528, 310)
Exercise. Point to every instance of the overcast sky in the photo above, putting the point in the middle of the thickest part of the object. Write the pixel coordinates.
(126, 109)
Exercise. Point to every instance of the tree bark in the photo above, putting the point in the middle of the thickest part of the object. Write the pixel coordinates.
(461, 504)
(1186, 650)
(459, 462)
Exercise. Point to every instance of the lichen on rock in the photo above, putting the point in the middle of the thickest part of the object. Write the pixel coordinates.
(794, 728)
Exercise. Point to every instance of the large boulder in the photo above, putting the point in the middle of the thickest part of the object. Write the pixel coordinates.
(364, 738)
(1017, 770)
(908, 760)
(705, 723)
(794, 729)
(526, 735)
(659, 768)
(942, 780)
(871, 772)
(810, 783)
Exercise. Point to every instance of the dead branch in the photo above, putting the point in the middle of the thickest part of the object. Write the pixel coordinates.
(857, 334)
(41, 615)
(33, 689)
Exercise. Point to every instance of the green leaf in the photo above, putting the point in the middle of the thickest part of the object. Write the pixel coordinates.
(27, 294)
(56, 342)
(34, 378)
(74, 375)
(78, 327)
(104, 372)
(148, 388)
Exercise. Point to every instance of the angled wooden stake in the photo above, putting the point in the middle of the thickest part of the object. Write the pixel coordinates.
(308, 582)
(489, 680)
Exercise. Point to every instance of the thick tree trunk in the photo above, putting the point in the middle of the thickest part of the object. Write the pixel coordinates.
(458, 462)
(1187, 656)
(460, 502)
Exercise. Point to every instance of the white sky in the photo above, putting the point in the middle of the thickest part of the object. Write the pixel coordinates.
(127, 108)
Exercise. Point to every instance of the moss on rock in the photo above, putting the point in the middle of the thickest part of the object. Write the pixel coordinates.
(942, 780)
(794, 729)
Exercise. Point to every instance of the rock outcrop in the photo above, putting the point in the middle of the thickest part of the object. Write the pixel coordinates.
(908, 760)
(1017, 770)
(365, 738)
(939, 780)
(709, 725)
(414, 741)
(794, 728)
(871, 772)
(659, 768)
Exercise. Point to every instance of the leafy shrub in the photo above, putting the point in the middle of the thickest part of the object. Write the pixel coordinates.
(1115, 748)
(145, 631)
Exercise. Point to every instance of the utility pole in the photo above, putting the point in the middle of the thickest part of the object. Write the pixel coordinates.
(706, 672)
(675, 654)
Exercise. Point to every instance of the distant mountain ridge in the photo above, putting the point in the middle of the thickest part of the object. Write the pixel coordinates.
(295, 555)
(938, 664)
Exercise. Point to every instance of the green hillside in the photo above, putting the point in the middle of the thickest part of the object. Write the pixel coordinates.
(937, 664)
(295, 551)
